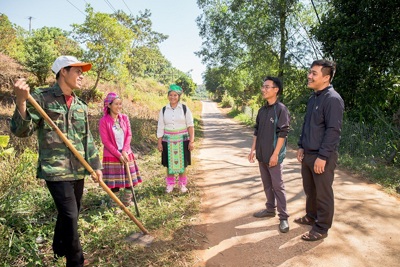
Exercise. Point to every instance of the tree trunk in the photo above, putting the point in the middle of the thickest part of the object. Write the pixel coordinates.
(284, 37)
(96, 83)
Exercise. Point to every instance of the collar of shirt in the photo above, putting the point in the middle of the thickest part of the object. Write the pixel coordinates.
(178, 106)
(323, 90)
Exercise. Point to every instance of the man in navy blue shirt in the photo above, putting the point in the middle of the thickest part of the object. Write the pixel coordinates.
(318, 149)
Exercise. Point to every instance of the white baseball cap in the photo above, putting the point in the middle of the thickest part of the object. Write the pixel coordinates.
(66, 61)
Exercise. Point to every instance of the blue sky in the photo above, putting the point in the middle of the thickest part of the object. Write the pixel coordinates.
(175, 18)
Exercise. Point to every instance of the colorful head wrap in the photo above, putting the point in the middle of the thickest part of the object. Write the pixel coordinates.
(176, 88)
(108, 100)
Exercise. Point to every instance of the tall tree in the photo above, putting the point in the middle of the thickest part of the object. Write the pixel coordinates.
(145, 58)
(214, 81)
(7, 35)
(107, 43)
(142, 29)
(43, 46)
(187, 84)
(250, 37)
(11, 39)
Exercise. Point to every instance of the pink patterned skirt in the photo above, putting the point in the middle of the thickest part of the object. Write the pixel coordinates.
(115, 175)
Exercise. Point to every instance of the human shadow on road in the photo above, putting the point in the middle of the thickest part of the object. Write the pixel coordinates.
(239, 240)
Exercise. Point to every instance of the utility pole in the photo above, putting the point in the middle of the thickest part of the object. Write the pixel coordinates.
(30, 23)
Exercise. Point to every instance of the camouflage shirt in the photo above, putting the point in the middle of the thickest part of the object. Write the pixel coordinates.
(56, 162)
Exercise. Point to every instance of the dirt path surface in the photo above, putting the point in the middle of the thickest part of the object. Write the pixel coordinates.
(365, 231)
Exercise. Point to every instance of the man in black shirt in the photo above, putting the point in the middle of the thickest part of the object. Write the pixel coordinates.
(269, 147)
(318, 146)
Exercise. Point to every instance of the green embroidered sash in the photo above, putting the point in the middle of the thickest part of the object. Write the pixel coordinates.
(174, 139)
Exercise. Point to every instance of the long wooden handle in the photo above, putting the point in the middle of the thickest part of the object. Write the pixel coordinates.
(84, 162)
(133, 190)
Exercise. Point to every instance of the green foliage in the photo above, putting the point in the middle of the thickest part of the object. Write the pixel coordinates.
(387, 176)
(201, 92)
(144, 58)
(248, 40)
(141, 27)
(362, 37)
(40, 52)
(43, 46)
(4, 153)
(295, 91)
(107, 43)
(8, 35)
(187, 84)
(227, 101)
(4, 139)
(214, 80)
(147, 62)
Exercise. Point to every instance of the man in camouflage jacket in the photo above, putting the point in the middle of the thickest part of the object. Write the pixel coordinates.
(62, 171)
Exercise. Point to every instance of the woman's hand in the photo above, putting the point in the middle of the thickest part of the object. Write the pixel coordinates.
(124, 157)
(159, 146)
(191, 146)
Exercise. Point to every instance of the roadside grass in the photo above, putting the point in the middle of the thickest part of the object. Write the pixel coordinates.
(28, 214)
(387, 176)
(369, 164)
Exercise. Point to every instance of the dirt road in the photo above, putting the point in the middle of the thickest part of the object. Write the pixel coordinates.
(365, 231)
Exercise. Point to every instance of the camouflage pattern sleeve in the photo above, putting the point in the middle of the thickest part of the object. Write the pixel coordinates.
(25, 127)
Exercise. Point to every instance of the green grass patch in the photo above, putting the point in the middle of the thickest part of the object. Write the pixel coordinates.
(372, 170)
(241, 117)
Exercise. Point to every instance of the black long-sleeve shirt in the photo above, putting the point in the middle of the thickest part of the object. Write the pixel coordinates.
(322, 123)
(264, 129)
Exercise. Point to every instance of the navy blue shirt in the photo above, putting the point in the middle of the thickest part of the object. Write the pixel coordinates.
(322, 123)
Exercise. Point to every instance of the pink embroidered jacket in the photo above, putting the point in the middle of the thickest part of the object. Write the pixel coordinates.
(107, 135)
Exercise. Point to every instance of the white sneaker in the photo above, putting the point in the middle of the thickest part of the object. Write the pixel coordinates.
(170, 188)
(183, 189)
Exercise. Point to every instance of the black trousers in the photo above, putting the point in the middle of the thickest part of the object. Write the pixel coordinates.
(319, 191)
(67, 197)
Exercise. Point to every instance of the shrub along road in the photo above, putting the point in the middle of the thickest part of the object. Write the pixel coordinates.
(365, 231)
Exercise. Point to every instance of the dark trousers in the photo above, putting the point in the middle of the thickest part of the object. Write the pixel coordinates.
(274, 189)
(319, 191)
(67, 197)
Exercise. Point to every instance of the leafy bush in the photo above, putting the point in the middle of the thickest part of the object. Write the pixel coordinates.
(227, 101)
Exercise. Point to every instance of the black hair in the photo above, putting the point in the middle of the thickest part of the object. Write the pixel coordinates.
(328, 67)
(277, 82)
(58, 73)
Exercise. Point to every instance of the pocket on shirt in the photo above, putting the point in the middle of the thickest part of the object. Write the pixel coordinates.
(79, 121)
(57, 116)
(55, 166)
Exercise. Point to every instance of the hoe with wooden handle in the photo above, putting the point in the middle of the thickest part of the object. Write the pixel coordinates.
(84, 163)
(128, 171)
